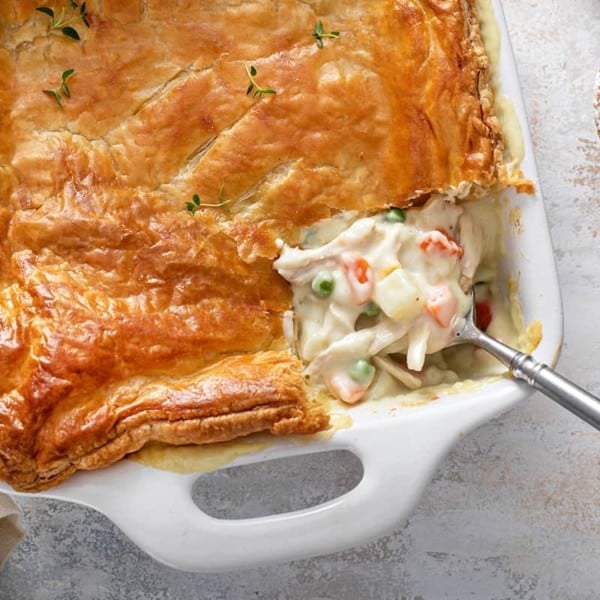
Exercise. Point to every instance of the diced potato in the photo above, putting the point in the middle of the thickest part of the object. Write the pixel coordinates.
(399, 295)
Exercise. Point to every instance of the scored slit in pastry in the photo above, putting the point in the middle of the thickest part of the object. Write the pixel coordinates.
(124, 316)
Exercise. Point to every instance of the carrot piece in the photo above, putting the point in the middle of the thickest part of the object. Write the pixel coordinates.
(483, 315)
(440, 241)
(359, 276)
(361, 270)
(441, 305)
(344, 388)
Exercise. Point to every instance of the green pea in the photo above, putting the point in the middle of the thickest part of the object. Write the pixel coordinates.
(372, 310)
(323, 284)
(394, 215)
(362, 371)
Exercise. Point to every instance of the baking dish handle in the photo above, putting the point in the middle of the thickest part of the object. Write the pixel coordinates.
(399, 453)
(158, 512)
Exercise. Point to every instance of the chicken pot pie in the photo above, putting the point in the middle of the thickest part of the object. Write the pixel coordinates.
(154, 158)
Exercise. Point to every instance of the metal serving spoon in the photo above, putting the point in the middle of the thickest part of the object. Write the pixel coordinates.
(525, 367)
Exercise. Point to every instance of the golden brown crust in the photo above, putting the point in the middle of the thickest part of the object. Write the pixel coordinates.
(122, 317)
(235, 397)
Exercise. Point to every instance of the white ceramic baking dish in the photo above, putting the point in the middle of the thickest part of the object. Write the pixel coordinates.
(400, 450)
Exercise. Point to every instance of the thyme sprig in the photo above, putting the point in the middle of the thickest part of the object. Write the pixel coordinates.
(196, 204)
(63, 88)
(319, 34)
(258, 89)
(63, 20)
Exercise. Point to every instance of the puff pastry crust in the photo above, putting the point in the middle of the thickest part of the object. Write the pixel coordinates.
(123, 318)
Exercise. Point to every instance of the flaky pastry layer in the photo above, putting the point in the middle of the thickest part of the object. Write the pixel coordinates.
(123, 317)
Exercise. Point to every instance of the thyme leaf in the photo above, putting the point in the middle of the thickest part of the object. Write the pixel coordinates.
(63, 85)
(64, 88)
(258, 89)
(62, 21)
(55, 94)
(196, 204)
(70, 32)
(83, 15)
(46, 11)
(319, 34)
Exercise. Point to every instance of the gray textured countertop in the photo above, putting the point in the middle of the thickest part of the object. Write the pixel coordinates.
(514, 510)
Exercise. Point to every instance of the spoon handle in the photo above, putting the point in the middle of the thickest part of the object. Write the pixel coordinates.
(543, 378)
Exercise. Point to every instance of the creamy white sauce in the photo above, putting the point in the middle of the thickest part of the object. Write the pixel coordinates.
(415, 272)
(503, 106)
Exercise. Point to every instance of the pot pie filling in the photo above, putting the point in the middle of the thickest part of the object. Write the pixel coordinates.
(149, 164)
(381, 293)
